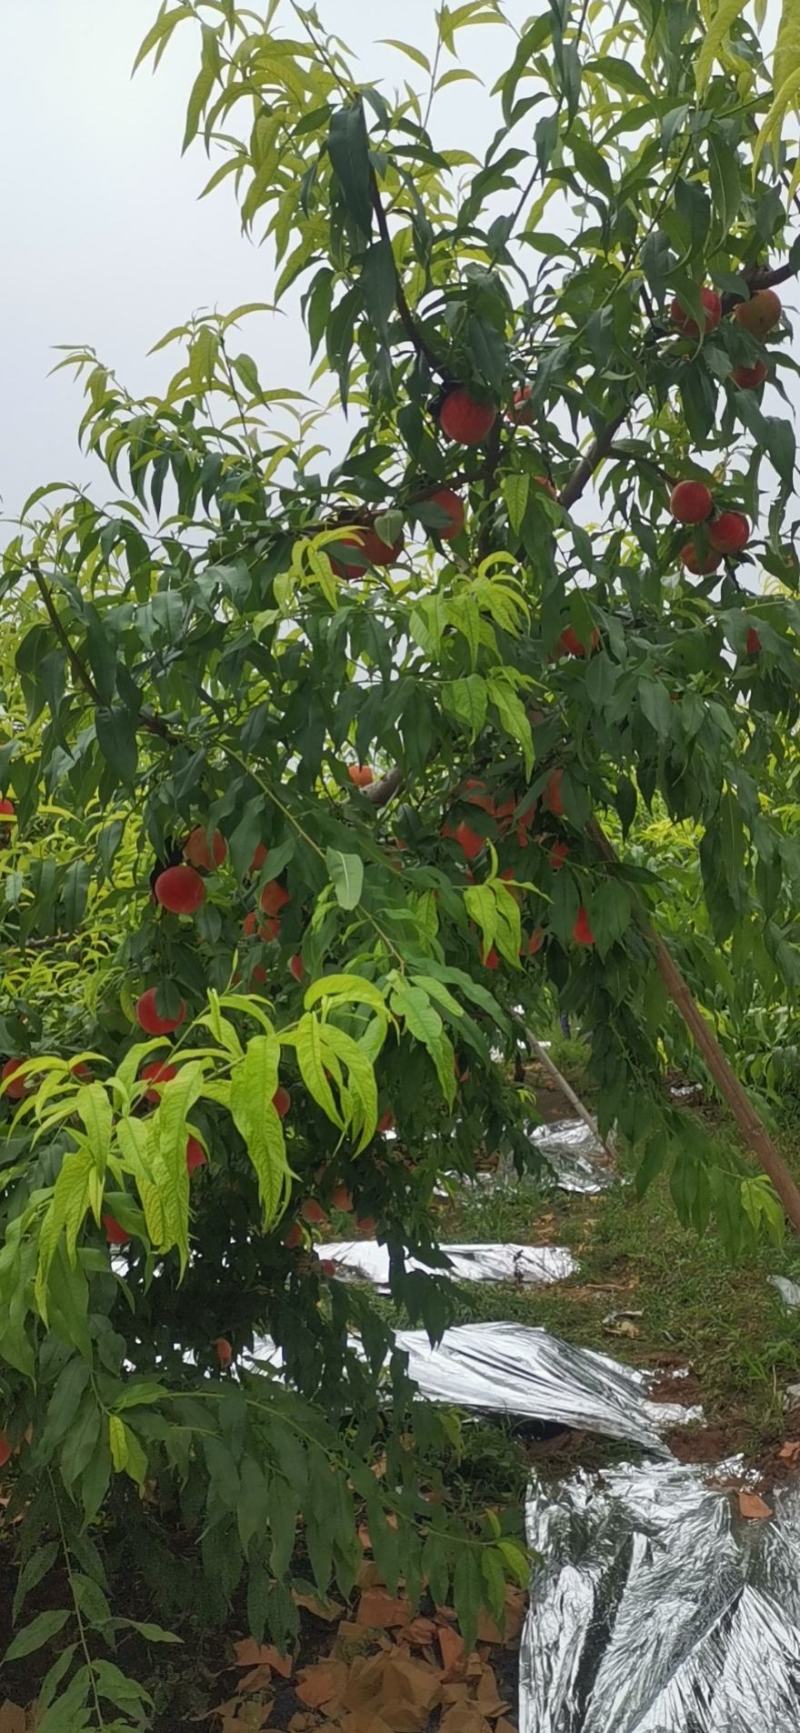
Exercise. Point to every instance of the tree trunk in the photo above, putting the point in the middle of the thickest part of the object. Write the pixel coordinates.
(750, 1123)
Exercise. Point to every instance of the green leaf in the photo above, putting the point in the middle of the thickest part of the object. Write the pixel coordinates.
(73, 894)
(116, 738)
(66, 1211)
(94, 1109)
(379, 286)
(611, 913)
(126, 1451)
(515, 493)
(414, 54)
(348, 147)
(481, 906)
(712, 47)
(725, 181)
(513, 716)
(654, 699)
(352, 988)
(253, 1084)
(158, 36)
(621, 74)
(310, 1045)
(34, 1568)
(151, 1633)
(41, 1630)
(347, 876)
(467, 700)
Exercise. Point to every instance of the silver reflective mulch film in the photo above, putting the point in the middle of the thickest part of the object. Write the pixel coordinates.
(525, 1372)
(575, 1154)
(530, 1266)
(520, 1370)
(657, 1609)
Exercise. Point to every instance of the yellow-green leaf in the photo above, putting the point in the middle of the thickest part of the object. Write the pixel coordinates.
(713, 46)
(311, 1057)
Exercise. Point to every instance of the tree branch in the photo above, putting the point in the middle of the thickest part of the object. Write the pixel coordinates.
(380, 793)
(409, 323)
(599, 448)
(81, 674)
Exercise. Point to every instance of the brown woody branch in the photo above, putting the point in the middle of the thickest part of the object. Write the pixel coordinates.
(380, 793)
(599, 448)
(81, 674)
(409, 323)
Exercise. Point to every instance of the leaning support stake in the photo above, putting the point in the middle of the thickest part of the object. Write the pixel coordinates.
(566, 1089)
(750, 1123)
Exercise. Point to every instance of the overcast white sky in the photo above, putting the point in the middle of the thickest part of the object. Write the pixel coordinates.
(105, 240)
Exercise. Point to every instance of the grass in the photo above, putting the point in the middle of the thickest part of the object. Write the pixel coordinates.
(699, 1307)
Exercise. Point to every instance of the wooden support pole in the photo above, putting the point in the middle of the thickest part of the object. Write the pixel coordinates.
(754, 1132)
(566, 1089)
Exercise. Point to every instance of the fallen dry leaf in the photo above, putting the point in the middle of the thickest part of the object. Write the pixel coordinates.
(515, 1608)
(452, 1648)
(382, 1610)
(420, 1632)
(368, 1575)
(302, 1723)
(258, 1680)
(455, 1693)
(364, 1721)
(487, 1696)
(322, 1683)
(250, 1719)
(752, 1506)
(504, 1726)
(790, 1451)
(327, 1610)
(466, 1718)
(12, 1718)
(398, 1688)
(249, 1653)
(228, 1708)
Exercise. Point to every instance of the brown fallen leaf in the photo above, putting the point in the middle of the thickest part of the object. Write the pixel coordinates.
(249, 1653)
(364, 1721)
(452, 1650)
(259, 1679)
(790, 1451)
(13, 1719)
(455, 1693)
(302, 1723)
(466, 1718)
(398, 1688)
(504, 1726)
(382, 1610)
(487, 1696)
(250, 1719)
(420, 1632)
(322, 1683)
(327, 1610)
(752, 1506)
(368, 1575)
(514, 1618)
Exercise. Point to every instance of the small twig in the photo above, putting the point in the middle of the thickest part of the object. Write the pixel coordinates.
(380, 793)
(409, 323)
(80, 671)
(599, 448)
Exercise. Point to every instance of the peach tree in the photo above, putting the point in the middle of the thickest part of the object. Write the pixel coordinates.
(320, 767)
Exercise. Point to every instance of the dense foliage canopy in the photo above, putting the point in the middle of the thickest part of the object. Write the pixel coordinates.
(311, 763)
